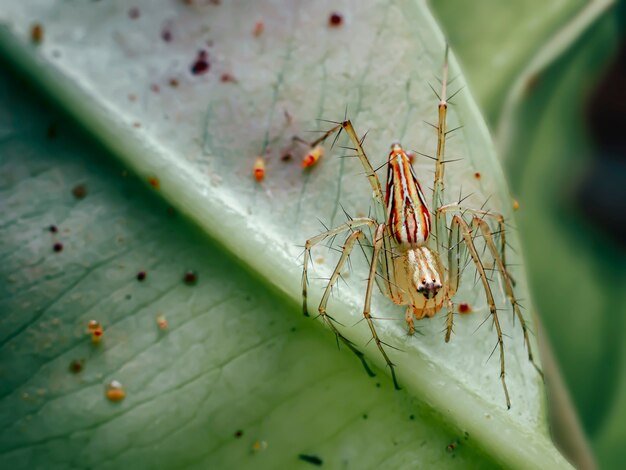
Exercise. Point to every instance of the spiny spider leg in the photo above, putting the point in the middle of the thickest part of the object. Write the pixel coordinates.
(466, 233)
(500, 259)
(499, 218)
(386, 279)
(486, 231)
(369, 169)
(347, 249)
(456, 255)
(348, 246)
(378, 243)
(311, 242)
(438, 187)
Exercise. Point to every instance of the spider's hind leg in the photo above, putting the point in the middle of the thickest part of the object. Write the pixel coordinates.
(465, 232)
(508, 285)
(479, 222)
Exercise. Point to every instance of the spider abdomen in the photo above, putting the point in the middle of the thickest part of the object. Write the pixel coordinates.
(407, 214)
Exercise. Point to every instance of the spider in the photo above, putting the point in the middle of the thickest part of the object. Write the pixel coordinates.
(411, 262)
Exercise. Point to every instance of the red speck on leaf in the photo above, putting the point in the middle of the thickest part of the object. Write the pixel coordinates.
(335, 19)
(228, 78)
(259, 27)
(36, 33)
(201, 64)
(154, 182)
(464, 308)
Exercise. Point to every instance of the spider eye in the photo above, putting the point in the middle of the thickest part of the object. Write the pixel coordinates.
(423, 281)
(434, 281)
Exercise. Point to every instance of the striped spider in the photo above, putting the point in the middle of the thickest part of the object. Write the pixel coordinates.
(417, 256)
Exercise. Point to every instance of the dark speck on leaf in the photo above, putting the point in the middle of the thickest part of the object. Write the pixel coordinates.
(141, 275)
(238, 434)
(133, 13)
(335, 19)
(36, 33)
(53, 229)
(201, 64)
(76, 366)
(312, 459)
(57, 247)
(79, 191)
(190, 278)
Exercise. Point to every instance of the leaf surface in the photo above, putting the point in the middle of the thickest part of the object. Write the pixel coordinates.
(234, 358)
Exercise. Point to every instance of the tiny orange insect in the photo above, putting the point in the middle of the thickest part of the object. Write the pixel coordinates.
(313, 156)
(95, 328)
(162, 322)
(259, 169)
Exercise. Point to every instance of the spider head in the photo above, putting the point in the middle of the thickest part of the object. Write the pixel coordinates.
(424, 272)
(429, 287)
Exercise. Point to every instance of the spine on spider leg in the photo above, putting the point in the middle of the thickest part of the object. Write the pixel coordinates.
(440, 218)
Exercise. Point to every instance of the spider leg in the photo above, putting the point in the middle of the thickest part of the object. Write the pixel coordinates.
(378, 243)
(456, 255)
(486, 231)
(358, 147)
(409, 319)
(347, 249)
(386, 261)
(438, 186)
(482, 214)
(466, 232)
(311, 242)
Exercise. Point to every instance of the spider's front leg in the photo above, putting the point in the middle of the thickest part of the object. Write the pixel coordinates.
(311, 242)
(354, 237)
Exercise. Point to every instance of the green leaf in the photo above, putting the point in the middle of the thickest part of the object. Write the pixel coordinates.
(231, 360)
(235, 357)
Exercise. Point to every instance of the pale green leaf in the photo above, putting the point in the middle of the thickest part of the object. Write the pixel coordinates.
(186, 391)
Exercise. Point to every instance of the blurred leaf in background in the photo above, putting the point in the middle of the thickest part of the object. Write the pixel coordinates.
(560, 137)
